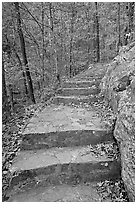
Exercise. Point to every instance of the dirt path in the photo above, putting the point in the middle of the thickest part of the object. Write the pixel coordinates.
(59, 158)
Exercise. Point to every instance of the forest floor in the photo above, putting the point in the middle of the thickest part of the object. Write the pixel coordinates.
(63, 149)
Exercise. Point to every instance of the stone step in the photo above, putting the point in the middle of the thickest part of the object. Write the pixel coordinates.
(78, 91)
(64, 126)
(96, 76)
(60, 193)
(80, 84)
(64, 139)
(88, 78)
(83, 78)
(68, 100)
(62, 166)
(89, 73)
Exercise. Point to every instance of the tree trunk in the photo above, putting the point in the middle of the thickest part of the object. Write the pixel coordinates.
(71, 71)
(43, 40)
(88, 36)
(23, 73)
(10, 88)
(88, 48)
(118, 28)
(63, 54)
(70, 58)
(23, 50)
(5, 105)
(38, 83)
(52, 38)
(131, 9)
(97, 35)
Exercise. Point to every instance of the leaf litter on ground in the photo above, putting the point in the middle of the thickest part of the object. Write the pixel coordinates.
(108, 149)
(12, 137)
(113, 190)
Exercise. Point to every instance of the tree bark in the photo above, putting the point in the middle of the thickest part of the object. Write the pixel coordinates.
(43, 40)
(97, 34)
(88, 35)
(5, 105)
(131, 9)
(71, 71)
(23, 73)
(118, 28)
(23, 50)
(62, 38)
(52, 38)
(10, 88)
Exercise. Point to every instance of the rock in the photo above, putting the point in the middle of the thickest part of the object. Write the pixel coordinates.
(118, 88)
(125, 134)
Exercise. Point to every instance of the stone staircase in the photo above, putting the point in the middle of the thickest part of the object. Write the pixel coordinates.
(56, 161)
(81, 89)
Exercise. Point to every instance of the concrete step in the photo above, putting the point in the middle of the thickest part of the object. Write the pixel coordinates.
(80, 84)
(70, 165)
(88, 73)
(60, 193)
(68, 100)
(64, 126)
(64, 138)
(78, 91)
(88, 78)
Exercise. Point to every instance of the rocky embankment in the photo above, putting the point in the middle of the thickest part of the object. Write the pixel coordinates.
(118, 87)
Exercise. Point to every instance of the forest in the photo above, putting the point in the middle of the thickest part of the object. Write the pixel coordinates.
(45, 44)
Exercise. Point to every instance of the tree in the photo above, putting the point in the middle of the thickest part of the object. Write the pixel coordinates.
(97, 35)
(12, 49)
(52, 36)
(88, 18)
(43, 39)
(131, 9)
(62, 38)
(118, 28)
(73, 13)
(5, 105)
(23, 73)
(23, 50)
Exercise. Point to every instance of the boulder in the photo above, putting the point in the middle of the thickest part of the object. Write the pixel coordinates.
(125, 134)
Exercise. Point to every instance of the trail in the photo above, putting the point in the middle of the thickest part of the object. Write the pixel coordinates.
(57, 160)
